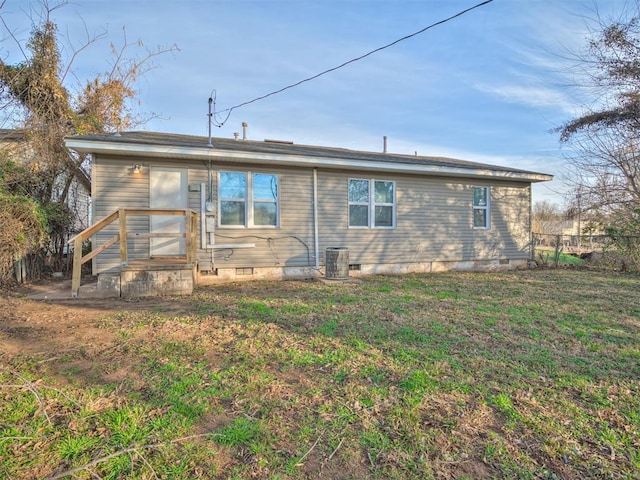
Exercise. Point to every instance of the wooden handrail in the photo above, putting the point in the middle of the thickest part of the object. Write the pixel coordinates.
(190, 235)
(92, 230)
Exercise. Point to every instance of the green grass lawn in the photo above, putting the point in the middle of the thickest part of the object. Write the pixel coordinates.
(547, 257)
(528, 374)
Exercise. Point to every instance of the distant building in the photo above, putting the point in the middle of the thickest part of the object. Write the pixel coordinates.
(14, 145)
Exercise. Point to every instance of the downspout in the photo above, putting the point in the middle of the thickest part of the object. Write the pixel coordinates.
(92, 218)
(203, 213)
(532, 239)
(208, 237)
(315, 218)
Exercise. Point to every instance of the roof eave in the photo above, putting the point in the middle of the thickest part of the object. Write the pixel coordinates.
(211, 153)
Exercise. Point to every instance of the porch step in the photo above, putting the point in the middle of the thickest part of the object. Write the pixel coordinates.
(108, 285)
(145, 279)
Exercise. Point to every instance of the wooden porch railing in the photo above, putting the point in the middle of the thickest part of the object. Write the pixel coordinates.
(190, 235)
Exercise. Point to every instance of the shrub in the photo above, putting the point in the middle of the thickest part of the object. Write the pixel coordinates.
(23, 230)
(625, 240)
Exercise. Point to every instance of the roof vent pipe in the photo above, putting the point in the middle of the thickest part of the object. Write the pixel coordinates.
(235, 135)
(244, 130)
(384, 144)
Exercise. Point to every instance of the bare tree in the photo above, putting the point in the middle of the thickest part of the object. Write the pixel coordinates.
(36, 94)
(605, 172)
(547, 217)
(604, 164)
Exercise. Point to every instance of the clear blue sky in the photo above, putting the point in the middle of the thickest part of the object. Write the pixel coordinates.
(487, 86)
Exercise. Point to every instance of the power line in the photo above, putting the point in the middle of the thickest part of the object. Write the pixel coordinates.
(353, 60)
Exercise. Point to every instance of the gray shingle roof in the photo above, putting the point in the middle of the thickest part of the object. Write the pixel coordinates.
(287, 148)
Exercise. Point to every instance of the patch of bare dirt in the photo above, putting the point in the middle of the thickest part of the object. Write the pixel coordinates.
(51, 327)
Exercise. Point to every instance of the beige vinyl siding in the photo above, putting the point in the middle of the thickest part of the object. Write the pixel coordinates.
(291, 244)
(508, 233)
(433, 221)
(434, 217)
(197, 176)
(114, 187)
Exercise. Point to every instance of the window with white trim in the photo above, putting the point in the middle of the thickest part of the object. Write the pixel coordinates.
(248, 199)
(372, 203)
(264, 199)
(480, 207)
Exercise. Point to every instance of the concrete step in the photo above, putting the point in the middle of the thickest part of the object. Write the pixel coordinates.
(108, 285)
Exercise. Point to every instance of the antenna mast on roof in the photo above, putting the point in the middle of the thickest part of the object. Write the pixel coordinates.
(209, 115)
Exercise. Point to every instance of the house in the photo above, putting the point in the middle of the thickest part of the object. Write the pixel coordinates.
(15, 145)
(272, 209)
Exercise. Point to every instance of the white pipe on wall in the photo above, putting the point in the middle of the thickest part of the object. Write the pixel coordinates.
(203, 227)
(315, 217)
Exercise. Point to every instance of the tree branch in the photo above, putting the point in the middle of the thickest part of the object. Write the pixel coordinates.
(76, 51)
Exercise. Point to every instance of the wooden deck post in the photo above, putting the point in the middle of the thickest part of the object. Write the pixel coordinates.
(187, 235)
(77, 266)
(190, 229)
(194, 236)
(124, 255)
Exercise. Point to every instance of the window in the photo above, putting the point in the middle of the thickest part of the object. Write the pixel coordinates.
(383, 202)
(359, 203)
(248, 199)
(371, 203)
(480, 207)
(233, 198)
(265, 200)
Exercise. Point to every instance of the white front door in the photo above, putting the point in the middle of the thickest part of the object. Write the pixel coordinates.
(168, 189)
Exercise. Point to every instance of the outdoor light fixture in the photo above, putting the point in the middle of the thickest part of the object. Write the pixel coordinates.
(137, 168)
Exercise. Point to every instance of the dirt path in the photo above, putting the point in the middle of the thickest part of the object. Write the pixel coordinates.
(52, 326)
